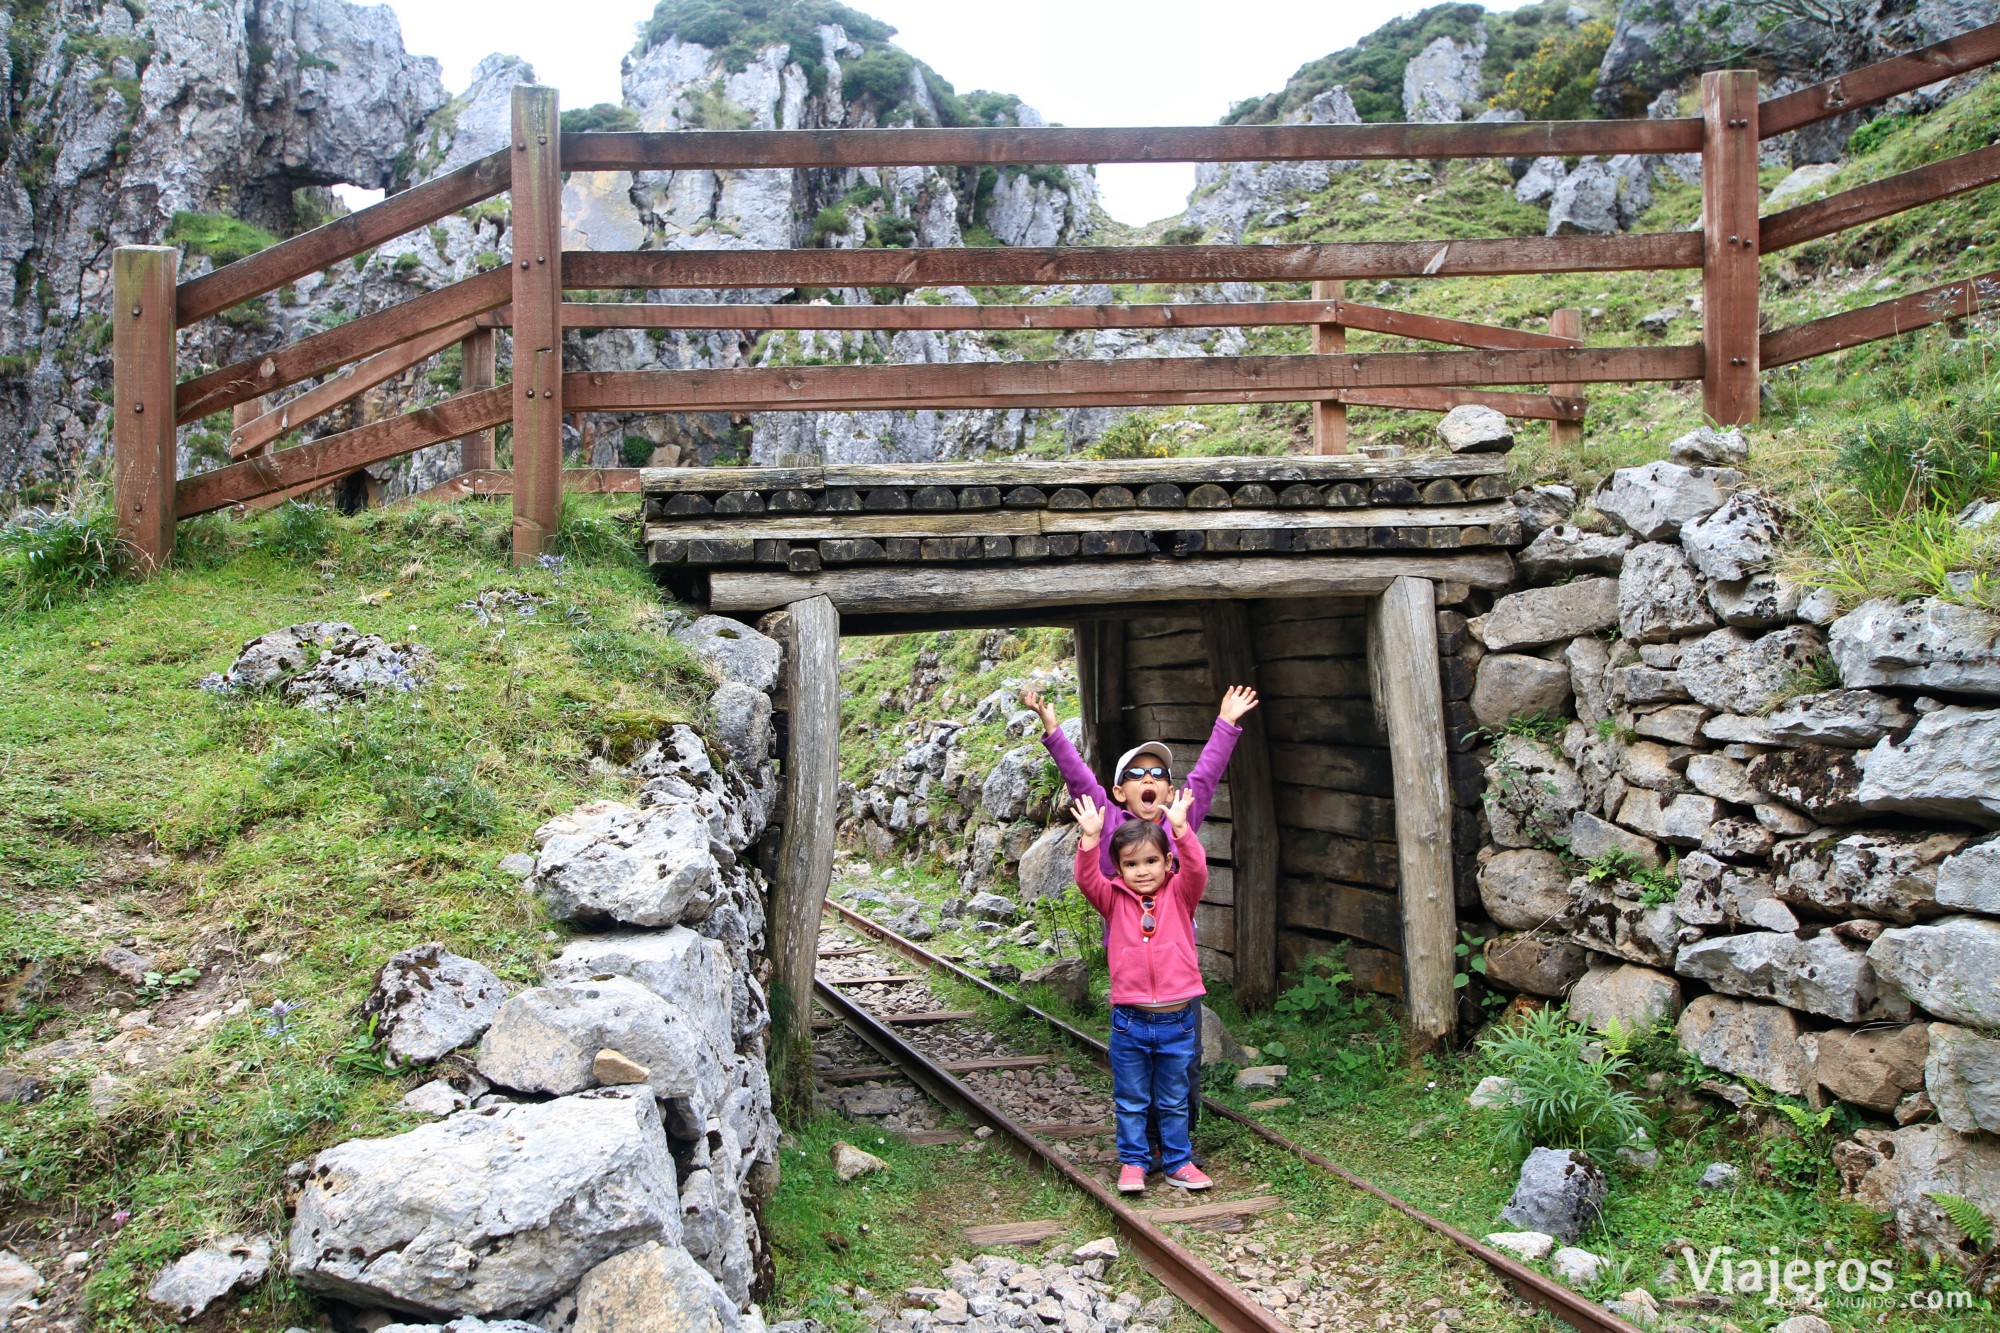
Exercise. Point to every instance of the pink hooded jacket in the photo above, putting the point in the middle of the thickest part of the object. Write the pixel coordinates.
(1163, 970)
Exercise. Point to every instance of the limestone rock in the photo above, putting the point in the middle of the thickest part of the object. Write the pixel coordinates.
(1753, 1041)
(1656, 501)
(1733, 673)
(638, 867)
(1823, 782)
(1641, 685)
(1560, 1192)
(1949, 967)
(1589, 663)
(1885, 875)
(1855, 718)
(1585, 201)
(1577, 1267)
(1565, 550)
(1591, 837)
(269, 660)
(18, 1281)
(615, 1069)
(1637, 997)
(1510, 685)
(1948, 767)
(1441, 80)
(1531, 792)
(734, 651)
(1719, 1176)
(1625, 927)
(436, 1098)
(1540, 181)
(1493, 1090)
(1005, 792)
(1682, 821)
(1534, 964)
(546, 1039)
(197, 1280)
(992, 907)
(1926, 644)
(428, 1002)
(1901, 1171)
(1261, 1076)
(1761, 601)
(356, 668)
(1048, 867)
(1737, 839)
(1706, 446)
(1472, 429)
(1529, 1245)
(1536, 616)
(1219, 1044)
(1736, 541)
(1542, 507)
(1824, 975)
(1872, 1067)
(850, 1162)
(652, 1288)
(1961, 1072)
(496, 1211)
(1714, 893)
(742, 722)
(1724, 779)
(1969, 881)
(1658, 596)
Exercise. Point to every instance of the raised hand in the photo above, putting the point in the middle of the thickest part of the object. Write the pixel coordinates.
(1177, 810)
(1032, 699)
(1236, 701)
(1089, 819)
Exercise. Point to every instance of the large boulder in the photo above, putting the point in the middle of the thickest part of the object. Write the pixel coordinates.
(1560, 1192)
(428, 1002)
(1950, 967)
(1737, 540)
(1924, 644)
(1656, 501)
(1872, 1067)
(1585, 202)
(638, 867)
(1659, 597)
(1009, 787)
(1754, 1041)
(734, 651)
(1472, 428)
(1441, 80)
(1733, 673)
(1962, 1075)
(1537, 616)
(742, 722)
(1886, 874)
(652, 1288)
(1948, 767)
(495, 1211)
(1824, 975)
(1510, 685)
(1854, 718)
(1969, 881)
(1902, 1172)
(1633, 996)
(1525, 888)
(1534, 963)
(1048, 867)
(1531, 792)
(690, 972)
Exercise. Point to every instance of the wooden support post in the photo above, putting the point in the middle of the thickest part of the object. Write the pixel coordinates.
(242, 415)
(1329, 414)
(476, 367)
(142, 400)
(537, 230)
(811, 634)
(1729, 316)
(1253, 809)
(1100, 681)
(1403, 642)
(1566, 323)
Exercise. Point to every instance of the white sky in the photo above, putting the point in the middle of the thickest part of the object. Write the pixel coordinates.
(1115, 62)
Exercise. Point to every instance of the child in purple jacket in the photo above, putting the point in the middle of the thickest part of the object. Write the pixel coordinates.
(1143, 787)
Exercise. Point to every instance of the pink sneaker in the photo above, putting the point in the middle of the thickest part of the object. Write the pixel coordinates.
(1131, 1179)
(1190, 1177)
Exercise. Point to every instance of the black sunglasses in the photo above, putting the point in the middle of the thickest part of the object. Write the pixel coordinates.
(1150, 771)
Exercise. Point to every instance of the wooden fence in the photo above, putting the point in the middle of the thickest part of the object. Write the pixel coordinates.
(150, 400)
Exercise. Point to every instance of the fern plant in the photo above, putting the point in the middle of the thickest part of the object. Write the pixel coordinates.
(1564, 1096)
(1967, 1217)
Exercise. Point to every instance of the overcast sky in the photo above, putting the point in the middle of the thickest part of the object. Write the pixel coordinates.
(1078, 62)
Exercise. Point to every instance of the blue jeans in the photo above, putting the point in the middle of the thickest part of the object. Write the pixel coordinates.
(1151, 1053)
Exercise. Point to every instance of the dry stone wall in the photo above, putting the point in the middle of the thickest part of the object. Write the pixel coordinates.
(1714, 800)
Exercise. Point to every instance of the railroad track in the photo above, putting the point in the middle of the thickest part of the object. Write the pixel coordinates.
(894, 1015)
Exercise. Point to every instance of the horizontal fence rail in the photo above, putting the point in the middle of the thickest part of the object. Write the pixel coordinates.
(1873, 84)
(1885, 319)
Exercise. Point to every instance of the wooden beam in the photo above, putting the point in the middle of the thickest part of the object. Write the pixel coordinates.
(708, 150)
(252, 436)
(343, 238)
(1880, 199)
(1048, 475)
(1565, 433)
(1885, 319)
(495, 482)
(1329, 414)
(334, 456)
(1253, 814)
(537, 389)
(1100, 683)
(878, 589)
(321, 352)
(598, 270)
(1368, 915)
(478, 369)
(142, 396)
(1082, 382)
(1729, 316)
(1405, 622)
(1881, 81)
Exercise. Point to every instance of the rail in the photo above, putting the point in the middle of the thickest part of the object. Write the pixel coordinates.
(150, 401)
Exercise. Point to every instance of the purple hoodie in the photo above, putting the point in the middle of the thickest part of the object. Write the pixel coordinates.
(1076, 775)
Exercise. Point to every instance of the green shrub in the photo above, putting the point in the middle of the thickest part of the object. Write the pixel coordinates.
(223, 239)
(891, 232)
(636, 451)
(1940, 458)
(1871, 136)
(49, 556)
(1561, 1097)
(1186, 233)
(830, 221)
(1555, 83)
(296, 531)
(880, 78)
(604, 117)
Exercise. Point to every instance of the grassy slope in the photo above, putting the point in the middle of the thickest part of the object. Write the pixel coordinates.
(134, 806)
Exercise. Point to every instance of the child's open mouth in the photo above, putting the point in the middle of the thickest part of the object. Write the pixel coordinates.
(1151, 798)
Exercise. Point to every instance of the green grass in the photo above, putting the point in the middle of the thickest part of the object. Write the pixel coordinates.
(135, 804)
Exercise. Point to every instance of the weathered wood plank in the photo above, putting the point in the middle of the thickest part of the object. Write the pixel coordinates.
(1206, 1212)
(880, 590)
(1360, 769)
(251, 436)
(1334, 636)
(1015, 1233)
(1565, 432)
(343, 238)
(1343, 909)
(1377, 970)
(1315, 677)
(599, 269)
(1879, 82)
(1180, 648)
(538, 383)
(1045, 475)
(1880, 199)
(1168, 685)
(1885, 319)
(1406, 639)
(1254, 823)
(1329, 337)
(1729, 255)
(1317, 855)
(478, 368)
(144, 457)
(1316, 720)
(1350, 814)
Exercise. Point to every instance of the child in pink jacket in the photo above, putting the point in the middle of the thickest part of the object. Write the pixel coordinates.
(1148, 908)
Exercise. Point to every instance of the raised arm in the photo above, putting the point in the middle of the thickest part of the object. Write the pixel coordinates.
(1076, 774)
(1089, 875)
(1192, 879)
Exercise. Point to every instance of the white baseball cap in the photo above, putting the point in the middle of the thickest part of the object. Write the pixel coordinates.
(1150, 747)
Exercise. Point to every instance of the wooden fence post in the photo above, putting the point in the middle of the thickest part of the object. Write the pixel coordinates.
(805, 848)
(1253, 812)
(476, 371)
(1729, 314)
(1100, 685)
(1566, 323)
(1405, 671)
(537, 228)
(143, 439)
(1329, 414)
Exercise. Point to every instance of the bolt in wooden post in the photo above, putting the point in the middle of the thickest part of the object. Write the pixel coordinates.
(1566, 323)
(537, 228)
(142, 400)
(476, 371)
(1729, 252)
(1329, 414)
